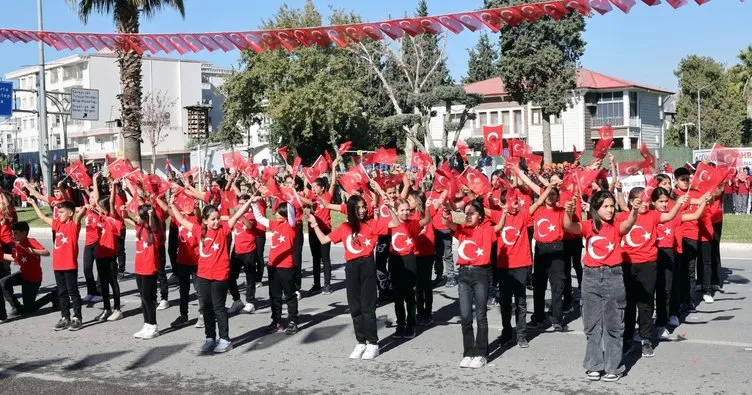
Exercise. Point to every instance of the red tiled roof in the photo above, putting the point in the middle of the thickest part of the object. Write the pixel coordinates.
(586, 79)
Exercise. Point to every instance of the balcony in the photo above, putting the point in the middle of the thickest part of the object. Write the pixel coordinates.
(613, 121)
(635, 122)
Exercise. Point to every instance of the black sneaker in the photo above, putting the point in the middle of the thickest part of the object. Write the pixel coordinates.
(566, 308)
(534, 324)
(274, 327)
(75, 324)
(63, 324)
(104, 315)
(399, 333)
(647, 349)
(14, 313)
(326, 290)
(522, 343)
(611, 377)
(409, 332)
(560, 328)
(451, 282)
(292, 328)
(181, 321)
(121, 276)
(314, 289)
(505, 338)
(438, 282)
(691, 308)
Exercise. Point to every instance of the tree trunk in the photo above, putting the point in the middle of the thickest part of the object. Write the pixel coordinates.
(547, 138)
(126, 17)
(153, 159)
(445, 131)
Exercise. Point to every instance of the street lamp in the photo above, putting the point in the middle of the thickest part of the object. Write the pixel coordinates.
(699, 127)
(686, 135)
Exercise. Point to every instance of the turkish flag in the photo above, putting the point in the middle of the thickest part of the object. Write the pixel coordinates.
(602, 147)
(585, 177)
(344, 147)
(531, 12)
(534, 162)
(389, 180)
(119, 168)
(630, 168)
(518, 148)
(272, 188)
(441, 180)
(157, 184)
(108, 159)
(385, 156)
(650, 162)
(463, 149)
(421, 160)
(651, 2)
(577, 155)
(233, 160)
(132, 206)
(328, 158)
(77, 172)
(296, 165)
(183, 201)
(310, 174)
(9, 172)
(18, 186)
(624, 5)
(606, 132)
(476, 181)
(269, 173)
(602, 6)
(250, 169)
(368, 159)
(419, 177)
(320, 166)
(724, 156)
(289, 195)
(353, 180)
(282, 151)
(192, 172)
(493, 137)
(707, 178)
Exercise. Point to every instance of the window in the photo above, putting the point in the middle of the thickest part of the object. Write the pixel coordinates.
(632, 104)
(483, 119)
(518, 121)
(494, 118)
(25, 124)
(536, 116)
(455, 118)
(33, 123)
(610, 109)
(505, 120)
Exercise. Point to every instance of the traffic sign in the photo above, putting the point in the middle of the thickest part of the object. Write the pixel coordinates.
(85, 104)
(6, 99)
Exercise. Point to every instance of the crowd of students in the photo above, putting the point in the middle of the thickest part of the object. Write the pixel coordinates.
(649, 251)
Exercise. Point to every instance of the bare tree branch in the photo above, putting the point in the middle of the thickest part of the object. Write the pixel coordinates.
(436, 64)
(155, 118)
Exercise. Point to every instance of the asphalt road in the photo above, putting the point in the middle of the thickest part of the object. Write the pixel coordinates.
(710, 353)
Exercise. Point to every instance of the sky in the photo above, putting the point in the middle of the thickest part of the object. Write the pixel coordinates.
(644, 46)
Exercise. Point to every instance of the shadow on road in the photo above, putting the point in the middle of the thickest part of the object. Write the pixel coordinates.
(94, 359)
(155, 355)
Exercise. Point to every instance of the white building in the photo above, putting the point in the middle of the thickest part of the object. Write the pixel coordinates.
(634, 110)
(188, 82)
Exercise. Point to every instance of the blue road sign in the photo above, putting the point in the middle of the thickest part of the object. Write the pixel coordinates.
(6, 99)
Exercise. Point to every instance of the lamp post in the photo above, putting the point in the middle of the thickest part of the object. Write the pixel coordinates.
(686, 135)
(699, 126)
(42, 96)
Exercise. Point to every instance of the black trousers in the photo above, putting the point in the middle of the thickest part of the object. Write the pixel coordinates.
(639, 282)
(512, 284)
(162, 273)
(320, 253)
(549, 266)
(382, 256)
(92, 287)
(666, 302)
(573, 249)
(695, 257)
(172, 247)
(28, 294)
(360, 283)
(213, 295)
(244, 262)
(184, 273)
(404, 274)
(259, 258)
(297, 256)
(108, 270)
(423, 286)
(716, 269)
(147, 287)
(67, 291)
(121, 252)
(282, 289)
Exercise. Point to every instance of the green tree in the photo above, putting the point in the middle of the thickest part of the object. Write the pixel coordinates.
(539, 63)
(483, 62)
(125, 14)
(722, 109)
(741, 75)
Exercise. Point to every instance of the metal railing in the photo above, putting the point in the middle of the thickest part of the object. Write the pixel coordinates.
(613, 121)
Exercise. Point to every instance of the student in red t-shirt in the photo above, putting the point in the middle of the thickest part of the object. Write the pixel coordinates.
(603, 291)
(475, 238)
(186, 259)
(106, 258)
(213, 271)
(90, 245)
(319, 196)
(26, 253)
(7, 219)
(66, 226)
(359, 236)
(281, 270)
(148, 228)
(243, 258)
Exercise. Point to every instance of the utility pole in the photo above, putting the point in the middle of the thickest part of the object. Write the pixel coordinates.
(699, 127)
(42, 96)
(686, 135)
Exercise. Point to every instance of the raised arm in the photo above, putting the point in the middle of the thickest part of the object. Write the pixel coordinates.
(260, 217)
(447, 221)
(541, 199)
(175, 213)
(704, 200)
(669, 215)
(426, 218)
(333, 177)
(39, 212)
(312, 224)
(569, 225)
(238, 214)
(525, 179)
(630, 221)
(79, 214)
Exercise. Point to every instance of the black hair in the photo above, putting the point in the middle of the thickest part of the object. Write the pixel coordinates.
(658, 192)
(143, 214)
(105, 204)
(478, 206)
(205, 213)
(245, 197)
(662, 177)
(420, 198)
(352, 212)
(21, 226)
(634, 193)
(321, 182)
(282, 209)
(595, 204)
(67, 205)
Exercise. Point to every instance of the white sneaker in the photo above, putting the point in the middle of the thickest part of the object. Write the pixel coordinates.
(673, 321)
(249, 308)
(357, 352)
(299, 295)
(708, 298)
(465, 362)
(140, 334)
(663, 333)
(478, 362)
(372, 351)
(163, 305)
(151, 332)
(200, 321)
(116, 315)
(235, 307)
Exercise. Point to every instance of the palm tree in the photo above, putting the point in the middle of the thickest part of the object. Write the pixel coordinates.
(742, 75)
(125, 14)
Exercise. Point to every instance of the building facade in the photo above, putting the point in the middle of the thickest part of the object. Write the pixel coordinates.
(634, 110)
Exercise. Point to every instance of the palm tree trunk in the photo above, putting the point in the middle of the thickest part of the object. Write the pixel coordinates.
(547, 158)
(126, 16)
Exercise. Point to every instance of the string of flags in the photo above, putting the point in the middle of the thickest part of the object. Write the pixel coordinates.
(324, 36)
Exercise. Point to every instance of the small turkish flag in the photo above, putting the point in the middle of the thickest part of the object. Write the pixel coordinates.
(630, 168)
(534, 162)
(120, 168)
(606, 132)
(421, 160)
(344, 147)
(320, 166)
(492, 137)
(282, 151)
(724, 156)
(269, 173)
(650, 162)
(310, 174)
(707, 178)
(296, 165)
(77, 172)
(385, 156)
(184, 201)
(463, 149)
(476, 181)
(518, 148)
(602, 147)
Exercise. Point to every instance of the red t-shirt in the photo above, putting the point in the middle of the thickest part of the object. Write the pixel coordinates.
(743, 188)
(187, 244)
(513, 245)
(437, 220)
(109, 229)
(548, 224)
(322, 214)
(716, 210)
(92, 228)
(424, 241)
(526, 200)
(639, 244)
(213, 252)
(728, 187)
(296, 205)
(602, 248)
(282, 240)
(65, 250)
(701, 229)
(147, 254)
(30, 264)
(474, 244)
(245, 239)
(666, 233)
(6, 235)
(403, 238)
(161, 217)
(361, 244)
